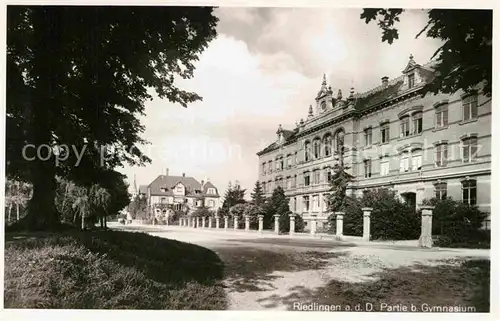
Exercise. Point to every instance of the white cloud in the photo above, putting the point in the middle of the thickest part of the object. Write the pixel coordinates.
(265, 68)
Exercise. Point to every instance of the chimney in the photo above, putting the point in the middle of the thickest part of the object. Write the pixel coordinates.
(183, 174)
(202, 183)
(385, 81)
(166, 171)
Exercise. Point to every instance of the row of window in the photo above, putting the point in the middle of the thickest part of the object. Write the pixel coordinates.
(210, 203)
(412, 160)
(410, 124)
(413, 124)
(469, 196)
(309, 178)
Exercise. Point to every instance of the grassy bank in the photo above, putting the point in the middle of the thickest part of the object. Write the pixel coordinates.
(110, 270)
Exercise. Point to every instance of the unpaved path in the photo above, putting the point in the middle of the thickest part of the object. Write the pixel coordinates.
(280, 273)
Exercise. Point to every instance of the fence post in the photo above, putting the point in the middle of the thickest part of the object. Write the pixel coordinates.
(292, 224)
(312, 229)
(226, 223)
(425, 239)
(366, 222)
(261, 223)
(217, 221)
(340, 223)
(235, 223)
(203, 222)
(276, 223)
(247, 223)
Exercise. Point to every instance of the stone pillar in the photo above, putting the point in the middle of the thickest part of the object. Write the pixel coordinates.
(276, 224)
(235, 223)
(217, 221)
(198, 222)
(203, 222)
(340, 223)
(261, 223)
(425, 239)
(367, 211)
(292, 224)
(192, 221)
(247, 223)
(226, 223)
(210, 222)
(419, 196)
(313, 226)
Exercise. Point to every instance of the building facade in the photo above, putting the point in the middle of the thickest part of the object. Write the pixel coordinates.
(183, 192)
(436, 145)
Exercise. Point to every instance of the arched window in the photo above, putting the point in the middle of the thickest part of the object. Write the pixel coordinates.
(339, 141)
(317, 148)
(327, 141)
(404, 163)
(416, 159)
(307, 150)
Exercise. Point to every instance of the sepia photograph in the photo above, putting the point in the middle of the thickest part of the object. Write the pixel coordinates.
(248, 158)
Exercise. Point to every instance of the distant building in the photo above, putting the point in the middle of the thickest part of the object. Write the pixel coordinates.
(180, 192)
(392, 136)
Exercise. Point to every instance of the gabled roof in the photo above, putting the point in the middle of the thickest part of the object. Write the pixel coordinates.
(376, 97)
(192, 186)
(169, 182)
(208, 185)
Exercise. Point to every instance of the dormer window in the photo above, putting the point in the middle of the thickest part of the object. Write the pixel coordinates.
(179, 189)
(163, 189)
(211, 191)
(411, 80)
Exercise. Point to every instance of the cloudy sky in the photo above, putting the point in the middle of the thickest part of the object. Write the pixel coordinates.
(264, 69)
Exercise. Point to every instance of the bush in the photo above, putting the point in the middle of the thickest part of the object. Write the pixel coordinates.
(458, 224)
(391, 219)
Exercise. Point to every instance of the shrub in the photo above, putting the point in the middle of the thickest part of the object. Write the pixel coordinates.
(391, 219)
(458, 224)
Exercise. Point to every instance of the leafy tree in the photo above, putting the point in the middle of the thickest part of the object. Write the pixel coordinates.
(138, 207)
(16, 193)
(390, 219)
(203, 212)
(234, 195)
(464, 60)
(338, 183)
(457, 222)
(277, 204)
(258, 194)
(79, 76)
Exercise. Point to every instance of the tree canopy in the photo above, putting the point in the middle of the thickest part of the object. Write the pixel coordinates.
(464, 60)
(77, 81)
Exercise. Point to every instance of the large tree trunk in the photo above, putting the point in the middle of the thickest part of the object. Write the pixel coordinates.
(17, 211)
(45, 101)
(105, 222)
(101, 221)
(83, 222)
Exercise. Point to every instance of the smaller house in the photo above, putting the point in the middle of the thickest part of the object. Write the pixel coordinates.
(168, 193)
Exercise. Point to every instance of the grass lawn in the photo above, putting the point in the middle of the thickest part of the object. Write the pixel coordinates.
(110, 270)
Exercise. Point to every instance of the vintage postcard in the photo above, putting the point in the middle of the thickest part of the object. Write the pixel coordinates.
(249, 158)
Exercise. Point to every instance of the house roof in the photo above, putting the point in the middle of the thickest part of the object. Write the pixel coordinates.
(372, 97)
(163, 186)
(288, 135)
